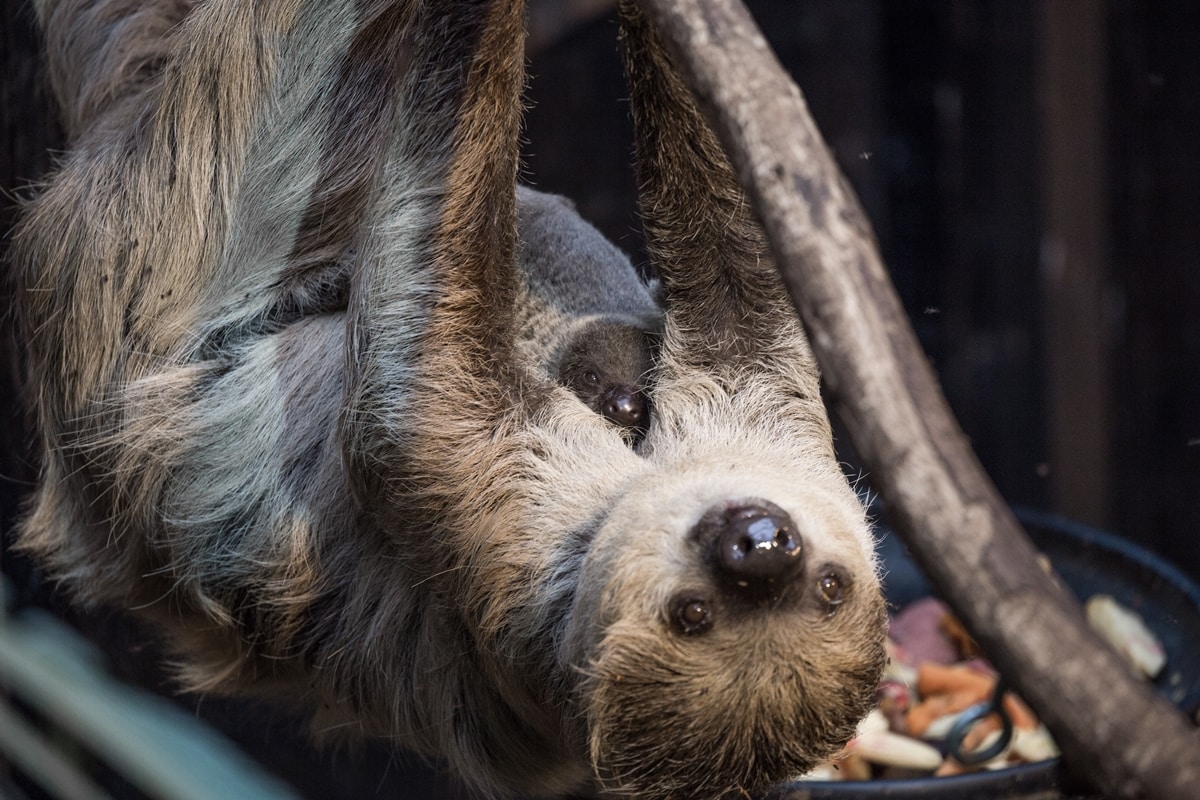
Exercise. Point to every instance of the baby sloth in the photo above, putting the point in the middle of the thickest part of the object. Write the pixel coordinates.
(589, 319)
(605, 364)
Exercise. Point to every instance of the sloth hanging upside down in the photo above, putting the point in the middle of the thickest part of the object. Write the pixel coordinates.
(301, 356)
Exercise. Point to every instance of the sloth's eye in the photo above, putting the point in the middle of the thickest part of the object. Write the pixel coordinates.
(831, 587)
(691, 615)
(591, 377)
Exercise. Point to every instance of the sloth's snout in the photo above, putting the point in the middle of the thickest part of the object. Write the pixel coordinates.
(625, 405)
(756, 546)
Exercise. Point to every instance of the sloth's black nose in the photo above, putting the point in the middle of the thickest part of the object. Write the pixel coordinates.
(625, 405)
(757, 547)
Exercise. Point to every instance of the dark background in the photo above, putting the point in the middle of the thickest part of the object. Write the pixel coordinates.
(1032, 170)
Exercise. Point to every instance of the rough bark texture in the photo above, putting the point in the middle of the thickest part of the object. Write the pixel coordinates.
(1113, 729)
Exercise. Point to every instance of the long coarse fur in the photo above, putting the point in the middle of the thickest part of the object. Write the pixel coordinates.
(291, 407)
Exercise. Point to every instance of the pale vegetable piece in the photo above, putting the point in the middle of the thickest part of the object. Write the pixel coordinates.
(894, 750)
(821, 772)
(940, 728)
(873, 721)
(1034, 745)
(1124, 629)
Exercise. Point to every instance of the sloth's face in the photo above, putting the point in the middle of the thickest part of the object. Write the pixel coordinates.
(729, 625)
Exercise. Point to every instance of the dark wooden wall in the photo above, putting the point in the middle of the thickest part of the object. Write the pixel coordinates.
(1154, 213)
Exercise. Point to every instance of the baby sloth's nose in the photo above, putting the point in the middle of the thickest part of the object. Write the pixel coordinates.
(756, 547)
(625, 405)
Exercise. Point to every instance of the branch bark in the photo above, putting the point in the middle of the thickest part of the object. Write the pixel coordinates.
(1112, 728)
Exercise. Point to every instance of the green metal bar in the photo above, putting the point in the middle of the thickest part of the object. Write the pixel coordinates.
(25, 747)
(150, 742)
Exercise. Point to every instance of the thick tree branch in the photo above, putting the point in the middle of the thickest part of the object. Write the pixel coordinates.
(1111, 727)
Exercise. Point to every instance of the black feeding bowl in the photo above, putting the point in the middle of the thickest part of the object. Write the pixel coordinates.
(1090, 562)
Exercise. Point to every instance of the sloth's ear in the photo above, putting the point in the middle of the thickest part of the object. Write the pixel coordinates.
(707, 246)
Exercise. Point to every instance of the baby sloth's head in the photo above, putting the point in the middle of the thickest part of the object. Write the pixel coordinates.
(605, 364)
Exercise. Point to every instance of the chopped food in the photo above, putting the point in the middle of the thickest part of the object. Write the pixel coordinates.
(936, 674)
(1125, 631)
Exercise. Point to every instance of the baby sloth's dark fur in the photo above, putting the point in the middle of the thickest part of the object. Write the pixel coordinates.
(607, 365)
(588, 317)
(301, 356)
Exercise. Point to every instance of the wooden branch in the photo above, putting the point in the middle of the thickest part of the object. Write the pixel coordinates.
(1111, 727)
